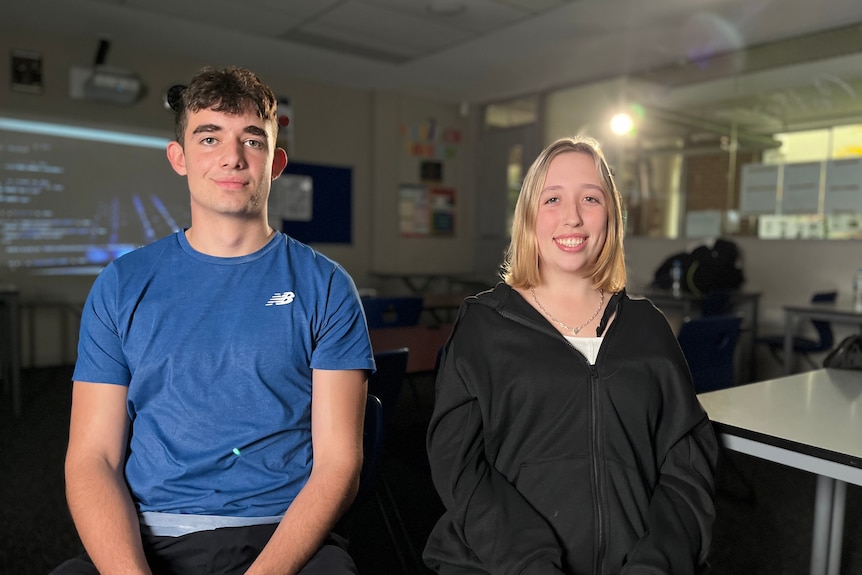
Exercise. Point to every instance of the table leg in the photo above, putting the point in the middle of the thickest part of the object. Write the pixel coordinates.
(752, 348)
(823, 500)
(789, 330)
(836, 532)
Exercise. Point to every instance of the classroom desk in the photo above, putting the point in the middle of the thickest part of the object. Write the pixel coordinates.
(443, 306)
(424, 343)
(10, 346)
(841, 311)
(746, 303)
(810, 421)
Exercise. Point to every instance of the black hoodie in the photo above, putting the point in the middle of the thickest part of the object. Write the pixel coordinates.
(546, 464)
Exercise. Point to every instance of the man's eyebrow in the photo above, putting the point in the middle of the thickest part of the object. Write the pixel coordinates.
(206, 128)
(256, 131)
(252, 129)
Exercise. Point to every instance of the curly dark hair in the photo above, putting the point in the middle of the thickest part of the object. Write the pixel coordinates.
(232, 90)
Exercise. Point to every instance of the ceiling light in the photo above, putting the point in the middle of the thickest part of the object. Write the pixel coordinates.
(622, 124)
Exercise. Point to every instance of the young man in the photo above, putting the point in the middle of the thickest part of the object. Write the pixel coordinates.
(220, 385)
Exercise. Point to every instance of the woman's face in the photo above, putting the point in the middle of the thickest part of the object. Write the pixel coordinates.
(572, 216)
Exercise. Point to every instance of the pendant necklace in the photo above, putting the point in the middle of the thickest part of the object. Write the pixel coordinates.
(574, 330)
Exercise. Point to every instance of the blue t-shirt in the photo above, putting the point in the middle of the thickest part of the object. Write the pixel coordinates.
(217, 354)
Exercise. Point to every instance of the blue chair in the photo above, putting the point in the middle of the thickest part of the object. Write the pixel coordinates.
(384, 385)
(371, 476)
(717, 302)
(392, 311)
(805, 346)
(709, 346)
(387, 381)
(372, 449)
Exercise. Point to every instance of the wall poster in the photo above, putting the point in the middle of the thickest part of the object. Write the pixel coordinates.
(426, 211)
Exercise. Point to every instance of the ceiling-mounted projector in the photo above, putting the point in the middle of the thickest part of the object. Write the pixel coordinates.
(115, 86)
(103, 83)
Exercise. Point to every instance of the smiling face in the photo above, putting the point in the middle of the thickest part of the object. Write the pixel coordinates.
(572, 216)
(230, 161)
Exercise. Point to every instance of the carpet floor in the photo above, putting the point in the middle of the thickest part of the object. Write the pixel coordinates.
(763, 526)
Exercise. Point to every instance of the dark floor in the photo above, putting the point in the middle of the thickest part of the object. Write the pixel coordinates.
(770, 535)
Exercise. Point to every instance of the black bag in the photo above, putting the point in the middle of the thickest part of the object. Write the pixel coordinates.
(706, 269)
(848, 354)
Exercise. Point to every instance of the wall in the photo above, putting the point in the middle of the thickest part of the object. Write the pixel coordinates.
(332, 126)
(403, 126)
(782, 271)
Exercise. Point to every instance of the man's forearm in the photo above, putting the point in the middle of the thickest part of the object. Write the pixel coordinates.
(308, 521)
(105, 518)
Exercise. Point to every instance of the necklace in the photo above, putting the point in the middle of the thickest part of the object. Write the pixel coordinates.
(574, 330)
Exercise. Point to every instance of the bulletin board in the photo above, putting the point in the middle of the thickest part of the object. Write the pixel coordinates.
(319, 210)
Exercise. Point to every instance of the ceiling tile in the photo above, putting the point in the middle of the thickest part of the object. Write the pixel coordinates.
(478, 16)
(259, 17)
(533, 6)
(378, 28)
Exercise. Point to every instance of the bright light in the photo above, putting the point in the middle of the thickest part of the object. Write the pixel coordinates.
(622, 124)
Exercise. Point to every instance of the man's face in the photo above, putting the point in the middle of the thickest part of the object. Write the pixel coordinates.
(228, 160)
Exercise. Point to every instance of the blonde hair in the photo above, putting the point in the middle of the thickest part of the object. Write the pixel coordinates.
(521, 266)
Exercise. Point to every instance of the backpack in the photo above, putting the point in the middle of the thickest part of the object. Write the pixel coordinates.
(848, 354)
(705, 269)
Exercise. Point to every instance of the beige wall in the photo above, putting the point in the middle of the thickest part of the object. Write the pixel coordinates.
(363, 130)
(332, 126)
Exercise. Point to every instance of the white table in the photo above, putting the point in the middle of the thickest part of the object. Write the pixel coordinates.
(810, 421)
(841, 311)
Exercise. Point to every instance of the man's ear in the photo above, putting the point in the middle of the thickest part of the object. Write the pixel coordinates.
(177, 158)
(279, 162)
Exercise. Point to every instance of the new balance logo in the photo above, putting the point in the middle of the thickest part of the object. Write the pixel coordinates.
(281, 298)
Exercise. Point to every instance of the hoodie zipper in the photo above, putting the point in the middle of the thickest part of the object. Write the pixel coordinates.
(598, 469)
(595, 433)
(595, 430)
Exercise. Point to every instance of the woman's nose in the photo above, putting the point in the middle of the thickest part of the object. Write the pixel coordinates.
(573, 216)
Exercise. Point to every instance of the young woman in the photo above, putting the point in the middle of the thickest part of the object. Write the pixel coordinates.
(566, 435)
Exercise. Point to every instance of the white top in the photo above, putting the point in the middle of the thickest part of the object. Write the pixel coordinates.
(589, 346)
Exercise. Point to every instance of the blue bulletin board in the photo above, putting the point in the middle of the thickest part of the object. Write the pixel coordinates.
(327, 218)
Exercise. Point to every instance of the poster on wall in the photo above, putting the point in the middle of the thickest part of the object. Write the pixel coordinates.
(292, 198)
(443, 211)
(424, 211)
(758, 189)
(413, 211)
(801, 188)
(844, 186)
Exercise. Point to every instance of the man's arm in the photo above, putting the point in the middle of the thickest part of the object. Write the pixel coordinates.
(98, 497)
(337, 415)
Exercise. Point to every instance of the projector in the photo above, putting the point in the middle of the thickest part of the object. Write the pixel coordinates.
(104, 85)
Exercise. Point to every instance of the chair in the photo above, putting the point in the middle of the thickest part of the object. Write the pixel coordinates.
(371, 477)
(392, 311)
(387, 381)
(804, 346)
(372, 449)
(709, 346)
(385, 384)
(717, 302)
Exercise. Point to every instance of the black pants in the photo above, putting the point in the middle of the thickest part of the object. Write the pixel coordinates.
(225, 551)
